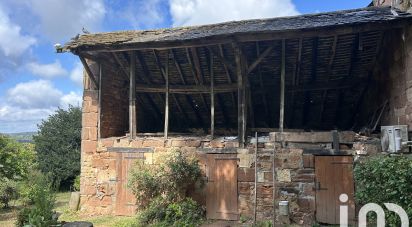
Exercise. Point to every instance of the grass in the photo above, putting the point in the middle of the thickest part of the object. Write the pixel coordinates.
(8, 216)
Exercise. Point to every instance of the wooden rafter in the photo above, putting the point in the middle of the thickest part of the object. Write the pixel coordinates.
(199, 73)
(330, 68)
(146, 78)
(219, 98)
(307, 102)
(353, 59)
(260, 58)
(263, 95)
(295, 81)
(228, 75)
(119, 62)
(92, 77)
(188, 98)
(222, 59)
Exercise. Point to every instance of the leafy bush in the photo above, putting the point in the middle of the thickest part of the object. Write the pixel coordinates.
(385, 179)
(41, 212)
(58, 145)
(145, 183)
(8, 191)
(184, 213)
(76, 183)
(16, 159)
(161, 191)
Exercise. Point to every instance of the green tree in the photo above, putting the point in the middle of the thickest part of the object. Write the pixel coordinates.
(58, 145)
(16, 159)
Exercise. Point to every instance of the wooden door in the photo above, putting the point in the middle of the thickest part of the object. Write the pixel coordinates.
(221, 199)
(334, 176)
(125, 200)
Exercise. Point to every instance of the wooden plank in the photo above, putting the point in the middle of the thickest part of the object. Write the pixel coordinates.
(132, 96)
(282, 87)
(166, 127)
(241, 96)
(313, 137)
(99, 111)
(212, 98)
(226, 189)
(89, 72)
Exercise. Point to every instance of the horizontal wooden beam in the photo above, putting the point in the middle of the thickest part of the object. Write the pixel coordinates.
(200, 89)
(185, 89)
(245, 37)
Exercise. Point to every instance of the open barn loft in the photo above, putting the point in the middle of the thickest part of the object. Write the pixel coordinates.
(306, 72)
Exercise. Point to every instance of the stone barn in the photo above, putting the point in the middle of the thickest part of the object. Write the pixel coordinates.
(270, 107)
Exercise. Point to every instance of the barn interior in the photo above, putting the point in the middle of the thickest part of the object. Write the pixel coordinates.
(311, 72)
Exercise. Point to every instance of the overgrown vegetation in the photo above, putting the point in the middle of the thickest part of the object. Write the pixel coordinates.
(58, 145)
(161, 191)
(40, 213)
(385, 179)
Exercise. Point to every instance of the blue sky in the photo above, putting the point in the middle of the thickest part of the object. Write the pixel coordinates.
(34, 80)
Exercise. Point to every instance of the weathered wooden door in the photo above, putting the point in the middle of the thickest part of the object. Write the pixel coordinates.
(221, 201)
(334, 176)
(125, 200)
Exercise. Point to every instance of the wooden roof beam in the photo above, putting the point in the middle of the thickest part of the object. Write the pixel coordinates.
(295, 81)
(265, 53)
(89, 72)
(196, 61)
(228, 75)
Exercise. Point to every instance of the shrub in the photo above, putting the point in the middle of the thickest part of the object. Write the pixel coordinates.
(145, 183)
(385, 179)
(161, 190)
(76, 183)
(8, 191)
(41, 212)
(184, 213)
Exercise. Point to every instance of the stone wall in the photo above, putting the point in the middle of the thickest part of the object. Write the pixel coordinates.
(294, 169)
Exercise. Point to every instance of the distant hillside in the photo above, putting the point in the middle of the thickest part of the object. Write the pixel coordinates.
(23, 137)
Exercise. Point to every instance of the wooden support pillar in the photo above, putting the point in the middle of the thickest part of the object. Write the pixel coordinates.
(241, 95)
(212, 98)
(166, 129)
(132, 96)
(100, 101)
(282, 88)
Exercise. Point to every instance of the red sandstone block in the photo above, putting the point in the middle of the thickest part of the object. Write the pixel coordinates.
(89, 146)
(178, 143)
(90, 95)
(307, 203)
(217, 143)
(89, 119)
(153, 143)
(137, 143)
(246, 174)
(88, 190)
(192, 143)
(93, 133)
(107, 142)
(85, 133)
(231, 144)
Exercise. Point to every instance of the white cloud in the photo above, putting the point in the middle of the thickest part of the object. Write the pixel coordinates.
(144, 14)
(76, 74)
(12, 42)
(62, 19)
(197, 12)
(72, 98)
(26, 104)
(47, 71)
(34, 94)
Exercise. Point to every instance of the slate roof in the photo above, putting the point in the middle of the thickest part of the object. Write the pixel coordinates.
(281, 24)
